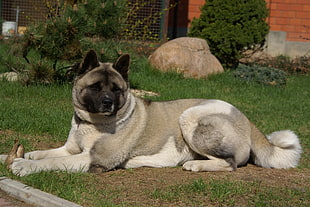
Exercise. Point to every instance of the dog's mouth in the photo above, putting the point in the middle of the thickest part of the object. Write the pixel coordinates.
(107, 111)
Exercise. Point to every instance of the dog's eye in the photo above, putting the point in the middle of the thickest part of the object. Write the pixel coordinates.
(95, 87)
(116, 89)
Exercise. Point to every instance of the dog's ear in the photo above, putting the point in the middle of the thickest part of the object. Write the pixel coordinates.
(122, 65)
(89, 62)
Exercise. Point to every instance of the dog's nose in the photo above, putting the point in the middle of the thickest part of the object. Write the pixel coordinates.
(107, 102)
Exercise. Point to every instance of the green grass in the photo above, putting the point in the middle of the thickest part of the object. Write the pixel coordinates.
(75, 187)
(36, 110)
(42, 114)
(229, 193)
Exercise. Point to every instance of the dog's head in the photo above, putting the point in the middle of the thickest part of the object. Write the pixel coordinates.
(101, 88)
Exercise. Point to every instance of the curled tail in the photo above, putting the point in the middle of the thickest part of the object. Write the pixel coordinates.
(281, 149)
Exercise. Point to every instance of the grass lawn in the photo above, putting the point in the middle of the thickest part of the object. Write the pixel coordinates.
(40, 117)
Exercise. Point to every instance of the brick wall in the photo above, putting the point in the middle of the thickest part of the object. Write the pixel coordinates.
(194, 8)
(289, 22)
(290, 16)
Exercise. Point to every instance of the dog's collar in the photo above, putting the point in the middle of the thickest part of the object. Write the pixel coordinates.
(121, 116)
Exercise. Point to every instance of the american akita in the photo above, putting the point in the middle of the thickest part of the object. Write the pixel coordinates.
(111, 129)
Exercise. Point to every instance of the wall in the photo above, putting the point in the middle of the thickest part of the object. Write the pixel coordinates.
(291, 16)
(181, 16)
(289, 24)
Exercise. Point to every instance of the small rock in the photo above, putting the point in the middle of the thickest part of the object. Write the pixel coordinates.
(143, 93)
(9, 76)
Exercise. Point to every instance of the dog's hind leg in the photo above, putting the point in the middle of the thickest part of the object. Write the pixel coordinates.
(216, 138)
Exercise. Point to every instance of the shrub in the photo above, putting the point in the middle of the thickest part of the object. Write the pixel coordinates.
(299, 65)
(261, 75)
(40, 70)
(10, 55)
(103, 18)
(56, 39)
(296, 65)
(59, 37)
(230, 27)
(302, 64)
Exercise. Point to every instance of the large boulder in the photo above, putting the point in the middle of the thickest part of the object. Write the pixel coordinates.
(187, 55)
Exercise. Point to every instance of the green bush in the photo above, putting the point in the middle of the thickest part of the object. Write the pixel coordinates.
(300, 65)
(103, 18)
(39, 71)
(10, 56)
(59, 37)
(56, 39)
(261, 75)
(230, 27)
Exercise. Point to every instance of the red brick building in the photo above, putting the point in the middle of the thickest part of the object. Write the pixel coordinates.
(289, 22)
(291, 16)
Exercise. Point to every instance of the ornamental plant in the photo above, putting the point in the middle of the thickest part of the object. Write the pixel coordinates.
(60, 36)
(231, 27)
(261, 75)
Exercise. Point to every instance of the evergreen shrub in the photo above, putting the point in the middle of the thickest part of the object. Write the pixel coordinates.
(261, 75)
(300, 65)
(230, 27)
(103, 18)
(59, 37)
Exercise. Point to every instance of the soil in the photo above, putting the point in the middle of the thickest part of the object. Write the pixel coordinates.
(8, 201)
(132, 186)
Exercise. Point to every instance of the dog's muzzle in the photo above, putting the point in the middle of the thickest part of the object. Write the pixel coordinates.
(107, 102)
(107, 105)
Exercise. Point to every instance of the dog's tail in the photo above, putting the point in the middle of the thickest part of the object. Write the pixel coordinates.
(280, 149)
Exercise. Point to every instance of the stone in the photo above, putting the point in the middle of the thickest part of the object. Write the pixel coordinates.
(9, 76)
(186, 55)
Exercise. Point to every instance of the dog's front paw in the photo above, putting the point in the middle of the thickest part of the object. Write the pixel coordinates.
(22, 167)
(34, 155)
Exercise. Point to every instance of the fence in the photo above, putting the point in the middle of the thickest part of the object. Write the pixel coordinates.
(23, 12)
(145, 17)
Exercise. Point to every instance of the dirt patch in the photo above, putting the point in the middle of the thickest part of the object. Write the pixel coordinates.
(135, 186)
(37, 142)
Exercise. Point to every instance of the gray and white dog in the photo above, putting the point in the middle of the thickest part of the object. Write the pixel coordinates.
(112, 128)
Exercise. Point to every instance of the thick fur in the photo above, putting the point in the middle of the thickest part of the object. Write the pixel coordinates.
(112, 129)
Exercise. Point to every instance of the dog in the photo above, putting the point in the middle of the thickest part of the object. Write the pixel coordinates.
(111, 129)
